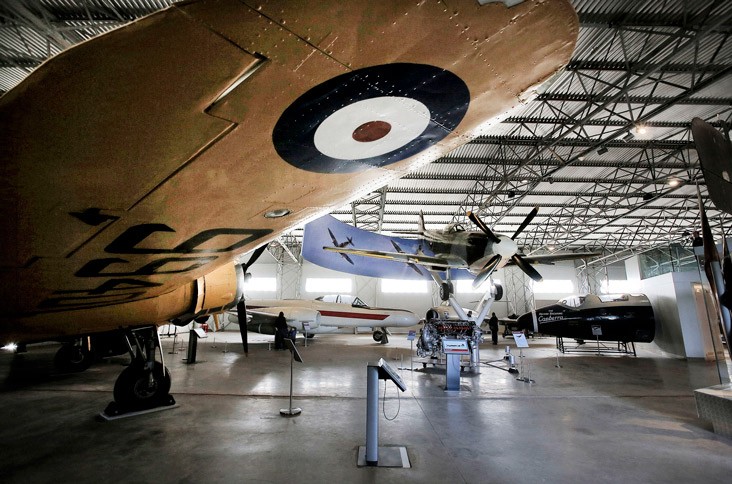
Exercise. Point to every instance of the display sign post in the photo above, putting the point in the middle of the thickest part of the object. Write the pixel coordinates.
(454, 349)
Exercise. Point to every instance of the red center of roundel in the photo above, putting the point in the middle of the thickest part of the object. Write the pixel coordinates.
(371, 131)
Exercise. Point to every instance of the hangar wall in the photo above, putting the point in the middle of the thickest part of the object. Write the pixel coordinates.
(369, 289)
(678, 327)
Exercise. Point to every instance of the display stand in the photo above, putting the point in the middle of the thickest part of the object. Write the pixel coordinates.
(520, 338)
(453, 350)
(372, 454)
(600, 347)
(294, 356)
(193, 337)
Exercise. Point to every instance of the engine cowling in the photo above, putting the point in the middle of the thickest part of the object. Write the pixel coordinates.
(215, 292)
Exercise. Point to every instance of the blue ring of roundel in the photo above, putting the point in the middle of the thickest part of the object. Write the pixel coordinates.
(445, 95)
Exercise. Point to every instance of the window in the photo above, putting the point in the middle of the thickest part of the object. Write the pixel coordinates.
(554, 286)
(405, 286)
(328, 284)
(261, 284)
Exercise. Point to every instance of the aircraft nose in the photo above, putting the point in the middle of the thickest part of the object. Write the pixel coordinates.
(506, 248)
(402, 319)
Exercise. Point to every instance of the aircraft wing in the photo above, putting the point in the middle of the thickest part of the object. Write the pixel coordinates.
(421, 259)
(137, 165)
(551, 258)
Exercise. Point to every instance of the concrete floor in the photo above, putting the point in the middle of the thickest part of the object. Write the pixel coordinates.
(597, 418)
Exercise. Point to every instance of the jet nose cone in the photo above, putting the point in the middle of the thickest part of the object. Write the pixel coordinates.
(402, 319)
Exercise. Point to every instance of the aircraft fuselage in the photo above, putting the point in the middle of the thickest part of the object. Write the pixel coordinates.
(629, 320)
(474, 249)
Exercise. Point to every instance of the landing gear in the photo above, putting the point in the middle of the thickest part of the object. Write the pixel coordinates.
(74, 356)
(446, 289)
(137, 387)
(381, 336)
(144, 384)
(498, 292)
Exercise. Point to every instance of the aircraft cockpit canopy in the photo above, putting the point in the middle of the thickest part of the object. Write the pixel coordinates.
(572, 301)
(354, 301)
(357, 303)
(454, 228)
(612, 297)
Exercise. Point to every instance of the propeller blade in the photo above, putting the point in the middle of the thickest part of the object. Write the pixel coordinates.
(241, 313)
(254, 257)
(482, 226)
(526, 267)
(487, 270)
(525, 223)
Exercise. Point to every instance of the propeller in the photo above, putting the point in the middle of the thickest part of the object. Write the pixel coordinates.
(526, 222)
(482, 226)
(486, 271)
(255, 255)
(526, 267)
(241, 307)
(517, 259)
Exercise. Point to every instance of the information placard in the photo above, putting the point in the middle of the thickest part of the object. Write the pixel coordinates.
(520, 338)
(455, 346)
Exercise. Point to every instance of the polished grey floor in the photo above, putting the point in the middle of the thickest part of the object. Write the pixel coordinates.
(594, 419)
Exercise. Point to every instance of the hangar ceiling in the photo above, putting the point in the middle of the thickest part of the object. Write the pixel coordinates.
(605, 151)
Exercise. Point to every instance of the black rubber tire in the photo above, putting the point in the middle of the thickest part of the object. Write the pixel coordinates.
(73, 358)
(378, 336)
(499, 292)
(131, 390)
(445, 291)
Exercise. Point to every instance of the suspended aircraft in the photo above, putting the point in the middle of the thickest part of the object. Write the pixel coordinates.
(480, 253)
(325, 314)
(138, 165)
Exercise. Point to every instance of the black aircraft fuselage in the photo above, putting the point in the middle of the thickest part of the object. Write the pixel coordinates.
(472, 248)
(626, 318)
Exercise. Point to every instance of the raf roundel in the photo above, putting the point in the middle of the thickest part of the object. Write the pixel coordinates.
(370, 117)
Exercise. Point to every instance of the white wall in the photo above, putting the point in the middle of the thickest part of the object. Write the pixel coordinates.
(661, 291)
(369, 289)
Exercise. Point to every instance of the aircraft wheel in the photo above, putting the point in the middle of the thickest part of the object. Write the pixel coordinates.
(445, 291)
(71, 357)
(138, 389)
(311, 336)
(499, 292)
(378, 336)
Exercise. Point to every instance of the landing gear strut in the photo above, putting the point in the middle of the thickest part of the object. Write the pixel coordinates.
(74, 356)
(144, 384)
